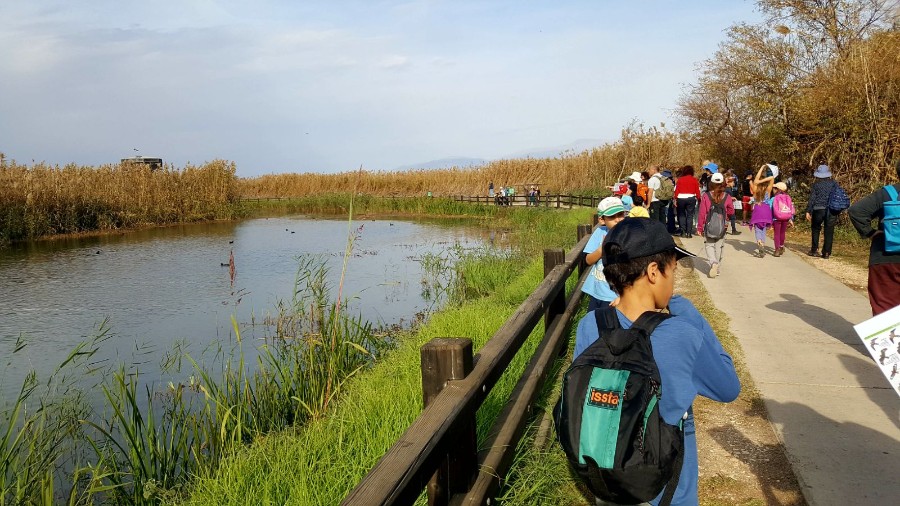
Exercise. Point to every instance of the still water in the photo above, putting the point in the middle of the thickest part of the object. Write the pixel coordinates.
(166, 285)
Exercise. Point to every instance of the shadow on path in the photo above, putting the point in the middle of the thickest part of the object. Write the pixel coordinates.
(884, 398)
(866, 474)
(763, 460)
(827, 322)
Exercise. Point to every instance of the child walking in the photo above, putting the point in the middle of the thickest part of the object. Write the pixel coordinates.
(595, 286)
(715, 246)
(761, 219)
(639, 258)
(782, 216)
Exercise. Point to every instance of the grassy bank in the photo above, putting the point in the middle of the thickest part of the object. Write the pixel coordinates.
(42, 200)
(319, 463)
(145, 443)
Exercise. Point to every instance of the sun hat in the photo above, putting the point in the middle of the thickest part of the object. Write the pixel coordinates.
(610, 206)
(638, 238)
(717, 178)
(712, 167)
(781, 186)
(822, 171)
(636, 177)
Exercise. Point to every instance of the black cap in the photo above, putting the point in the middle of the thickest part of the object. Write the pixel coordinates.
(639, 237)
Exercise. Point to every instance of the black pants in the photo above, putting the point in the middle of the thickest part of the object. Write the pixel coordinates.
(823, 217)
(658, 210)
(686, 214)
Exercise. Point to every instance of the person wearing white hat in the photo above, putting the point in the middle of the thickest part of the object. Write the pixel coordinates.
(818, 213)
(715, 245)
(611, 212)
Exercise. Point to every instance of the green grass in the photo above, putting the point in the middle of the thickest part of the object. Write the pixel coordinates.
(319, 463)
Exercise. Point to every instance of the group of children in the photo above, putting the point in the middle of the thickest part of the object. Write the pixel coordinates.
(770, 206)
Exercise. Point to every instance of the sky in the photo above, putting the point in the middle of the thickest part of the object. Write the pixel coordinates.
(329, 86)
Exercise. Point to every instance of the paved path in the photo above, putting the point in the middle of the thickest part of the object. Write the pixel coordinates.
(836, 414)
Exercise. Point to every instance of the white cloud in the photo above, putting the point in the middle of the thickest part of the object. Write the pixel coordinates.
(394, 61)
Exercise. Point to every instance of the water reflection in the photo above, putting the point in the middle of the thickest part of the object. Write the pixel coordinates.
(165, 285)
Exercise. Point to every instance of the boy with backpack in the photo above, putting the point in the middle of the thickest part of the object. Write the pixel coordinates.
(716, 210)
(635, 442)
(884, 254)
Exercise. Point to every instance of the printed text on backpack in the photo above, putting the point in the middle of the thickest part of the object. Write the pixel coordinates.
(607, 418)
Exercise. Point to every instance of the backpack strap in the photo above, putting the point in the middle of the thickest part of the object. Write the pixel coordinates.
(649, 320)
(669, 493)
(891, 191)
(607, 319)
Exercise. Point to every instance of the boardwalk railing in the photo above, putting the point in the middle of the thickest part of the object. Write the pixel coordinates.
(548, 200)
(438, 451)
(557, 201)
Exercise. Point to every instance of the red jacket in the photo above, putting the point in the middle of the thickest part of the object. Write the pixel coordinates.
(687, 184)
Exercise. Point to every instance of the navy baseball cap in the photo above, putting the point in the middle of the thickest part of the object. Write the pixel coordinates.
(639, 237)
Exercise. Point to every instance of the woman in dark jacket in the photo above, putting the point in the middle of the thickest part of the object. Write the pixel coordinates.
(687, 194)
(818, 213)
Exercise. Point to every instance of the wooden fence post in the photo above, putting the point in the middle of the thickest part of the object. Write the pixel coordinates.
(446, 359)
(583, 230)
(557, 305)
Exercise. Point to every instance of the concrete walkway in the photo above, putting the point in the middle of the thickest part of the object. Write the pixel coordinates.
(835, 412)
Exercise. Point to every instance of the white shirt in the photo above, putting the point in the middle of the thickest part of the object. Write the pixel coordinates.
(654, 184)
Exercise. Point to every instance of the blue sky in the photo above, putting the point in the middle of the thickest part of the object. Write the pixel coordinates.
(327, 86)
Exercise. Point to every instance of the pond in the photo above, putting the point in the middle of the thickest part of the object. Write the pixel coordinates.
(163, 286)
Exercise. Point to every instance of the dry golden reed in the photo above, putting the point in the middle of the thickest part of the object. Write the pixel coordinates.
(586, 172)
(41, 199)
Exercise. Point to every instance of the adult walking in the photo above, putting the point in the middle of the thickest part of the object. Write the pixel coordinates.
(884, 265)
(687, 194)
(818, 213)
(660, 192)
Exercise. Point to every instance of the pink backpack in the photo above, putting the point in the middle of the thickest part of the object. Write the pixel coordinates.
(783, 207)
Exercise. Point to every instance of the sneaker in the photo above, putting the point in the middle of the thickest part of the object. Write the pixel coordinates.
(735, 232)
(760, 252)
(812, 253)
(714, 270)
(826, 255)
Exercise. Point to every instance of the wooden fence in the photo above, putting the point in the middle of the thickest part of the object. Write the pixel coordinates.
(438, 451)
(557, 201)
(548, 200)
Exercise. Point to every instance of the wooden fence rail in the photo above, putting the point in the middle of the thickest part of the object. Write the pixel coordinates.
(437, 452)
(547, 200)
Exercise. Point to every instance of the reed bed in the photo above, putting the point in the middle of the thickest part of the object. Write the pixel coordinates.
(41, 200)
(581, 173)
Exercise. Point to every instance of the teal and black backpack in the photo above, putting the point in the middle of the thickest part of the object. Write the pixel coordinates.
(891, 221)
(607, 417)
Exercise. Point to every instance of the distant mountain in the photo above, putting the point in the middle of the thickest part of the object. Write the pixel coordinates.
(445, 163)
(573, 148)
